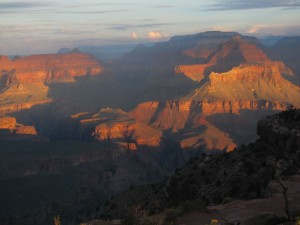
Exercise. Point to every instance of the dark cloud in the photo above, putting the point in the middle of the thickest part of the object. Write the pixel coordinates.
(20, 5)
(103, 4)
(92, 12)
(254, 4)
(131, 26)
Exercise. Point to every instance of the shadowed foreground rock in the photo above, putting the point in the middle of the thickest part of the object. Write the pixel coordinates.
(243, 174)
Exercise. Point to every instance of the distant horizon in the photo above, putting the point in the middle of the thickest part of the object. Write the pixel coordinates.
(134, 44)
(36, 26)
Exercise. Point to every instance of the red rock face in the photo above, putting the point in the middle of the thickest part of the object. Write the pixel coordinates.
(238, 50)
(29, 130)
(129, 132)
(194, 72)
(231, 54)
(178, 113)
(271, 72)
(8, 123)
(26, 105)
(196, 53)
(186, 119)
(9, 126)
(115, 125)
(48, 67)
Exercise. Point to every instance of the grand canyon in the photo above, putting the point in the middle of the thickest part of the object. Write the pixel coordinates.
(75, 131)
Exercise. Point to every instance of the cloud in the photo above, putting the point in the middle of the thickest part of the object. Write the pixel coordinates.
(265, 29)
(253, 4)
(220, 28)
(102, 4)
(134, 26)
(154, 35)
(92, 12)
(133, 35)
(20, 5)
(163, 6)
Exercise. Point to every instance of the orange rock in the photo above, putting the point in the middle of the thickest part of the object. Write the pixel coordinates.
(9, 126)
(17, 107)
(26, 130)
(8, 123)
(145, 111)
(48, 67)
(194, 72)
(238, 50)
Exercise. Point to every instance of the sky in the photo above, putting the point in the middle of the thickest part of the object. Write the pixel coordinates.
(36, 26)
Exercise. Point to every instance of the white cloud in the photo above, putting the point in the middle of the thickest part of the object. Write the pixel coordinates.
(153, 35)
(220, 28)
(265, 29)
(254, 29)
(133, 35)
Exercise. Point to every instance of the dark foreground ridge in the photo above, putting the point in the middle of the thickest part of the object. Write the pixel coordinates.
(214, 179)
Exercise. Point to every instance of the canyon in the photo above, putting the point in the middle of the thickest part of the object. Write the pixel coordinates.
(133, 120)
(23, 79)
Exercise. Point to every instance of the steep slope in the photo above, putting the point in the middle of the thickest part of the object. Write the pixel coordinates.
(206, 184)
(261, 81)
(279, 140)
(116, 126)
(17, 97)
(252, 86)
(235, 51)
(48, 68)
(236, 81)
(11, 130)
(22, 80)
(195, 124)
(287, 50)
(178, 50)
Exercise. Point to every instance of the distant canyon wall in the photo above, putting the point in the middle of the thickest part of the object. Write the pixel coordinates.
(47, 67)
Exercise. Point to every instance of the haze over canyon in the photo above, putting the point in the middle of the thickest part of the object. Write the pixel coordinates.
(76, 130)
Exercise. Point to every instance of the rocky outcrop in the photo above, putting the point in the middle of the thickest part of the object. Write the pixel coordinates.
(180, 112)
(287, 50)
(9, 127)
(48, 68)
(26, 130)
(132, 133)
(263, 81)
(271, 72)
(238, 50)
(279, 141)
(194, 72)
(23, 79)
(20, 96)
(281, 130)
(212, 180)
(26, 105)
(8, 123)
(117, 126)
(187, 120)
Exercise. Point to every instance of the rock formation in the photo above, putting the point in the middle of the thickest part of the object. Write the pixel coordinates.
(48, 68)
(23, 79)
(206, 184)
(117, 126)
(233, 53)
(9, 128)
(287, 50)
(279, 140)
